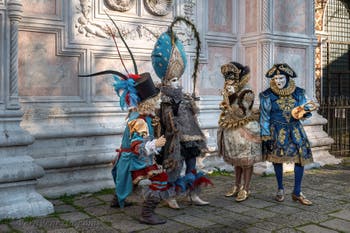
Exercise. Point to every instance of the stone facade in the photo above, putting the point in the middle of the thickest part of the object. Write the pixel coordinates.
(64, 130)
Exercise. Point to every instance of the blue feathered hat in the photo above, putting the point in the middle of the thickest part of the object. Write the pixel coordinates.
(168, 58)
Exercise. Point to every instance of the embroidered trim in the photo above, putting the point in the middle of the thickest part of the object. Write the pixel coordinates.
(285, 91)
(295, 159)
(233, 123)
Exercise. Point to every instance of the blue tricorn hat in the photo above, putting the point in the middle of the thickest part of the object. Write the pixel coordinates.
(281, 68)
(168, 58)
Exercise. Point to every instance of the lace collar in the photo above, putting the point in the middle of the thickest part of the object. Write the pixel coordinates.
(285, 91)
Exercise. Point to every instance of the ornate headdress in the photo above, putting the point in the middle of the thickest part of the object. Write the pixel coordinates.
(131, 88)
(236, 72)
(281, 68)
(169, 57)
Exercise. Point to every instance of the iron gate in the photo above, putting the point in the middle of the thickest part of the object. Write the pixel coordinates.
(335, 100)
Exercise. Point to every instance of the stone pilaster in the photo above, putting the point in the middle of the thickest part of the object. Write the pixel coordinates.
(18, 172)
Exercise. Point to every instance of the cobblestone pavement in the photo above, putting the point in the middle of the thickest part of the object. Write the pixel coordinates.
(328, 188)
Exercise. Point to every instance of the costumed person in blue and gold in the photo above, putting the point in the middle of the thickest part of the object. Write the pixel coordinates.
(185, 140)
(135, 162)
(284, 140)
(238, 135)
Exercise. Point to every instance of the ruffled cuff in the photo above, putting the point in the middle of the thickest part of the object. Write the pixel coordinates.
(151, 148)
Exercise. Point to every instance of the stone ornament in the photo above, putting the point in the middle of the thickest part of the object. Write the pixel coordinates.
(120, 5)
(159, 7)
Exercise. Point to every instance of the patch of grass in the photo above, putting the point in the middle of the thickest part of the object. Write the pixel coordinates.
(54, 214)
(108, 223)
(68, 223)
(28, 219)
(219, 172)
(67, 199)
(5, 221)
(268, 174)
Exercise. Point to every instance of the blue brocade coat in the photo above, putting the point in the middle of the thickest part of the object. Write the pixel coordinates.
(290, 143)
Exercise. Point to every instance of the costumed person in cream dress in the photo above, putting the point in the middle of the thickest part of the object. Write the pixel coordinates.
(185, 140)
(284, 140)
(135, 162)
(239, 133)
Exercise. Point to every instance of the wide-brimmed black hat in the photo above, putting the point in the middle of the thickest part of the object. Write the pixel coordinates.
(281, 68)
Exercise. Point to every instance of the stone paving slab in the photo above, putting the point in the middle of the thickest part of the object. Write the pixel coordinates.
(4, 228)
(63, 230)
(73, 216)
(315, 229)
(64, 208)
(328, 188)
(343, 214)
(337, 224)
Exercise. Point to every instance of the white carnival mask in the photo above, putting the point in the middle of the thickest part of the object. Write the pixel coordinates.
(174, 82)
(280, 80)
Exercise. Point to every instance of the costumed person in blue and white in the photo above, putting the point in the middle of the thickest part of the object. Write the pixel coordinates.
(283, 137)
(135, 161)
(238, 134)
(185, 140)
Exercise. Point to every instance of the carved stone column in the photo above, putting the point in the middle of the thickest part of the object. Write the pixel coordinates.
(15, 15)
(18, 172)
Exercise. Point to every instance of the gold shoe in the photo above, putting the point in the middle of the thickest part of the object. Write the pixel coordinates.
(302, 199)
(242, 195)
(233, 191)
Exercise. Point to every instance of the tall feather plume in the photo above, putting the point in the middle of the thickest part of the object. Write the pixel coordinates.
(104, 72)
(126, 45)
(198, 46)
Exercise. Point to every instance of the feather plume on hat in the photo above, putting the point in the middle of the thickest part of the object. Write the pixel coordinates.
(132, 88)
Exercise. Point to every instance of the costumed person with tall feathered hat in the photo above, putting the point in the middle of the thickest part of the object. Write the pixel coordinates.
(135, 162)
(185, 140)
(284, 140)
(238, 134)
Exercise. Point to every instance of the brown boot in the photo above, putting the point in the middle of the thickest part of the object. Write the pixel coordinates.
(148, 216)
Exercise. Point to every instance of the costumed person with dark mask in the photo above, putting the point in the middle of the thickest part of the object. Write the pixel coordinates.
(135, 161)
(185, 140)
(284, 140)
(239, 133)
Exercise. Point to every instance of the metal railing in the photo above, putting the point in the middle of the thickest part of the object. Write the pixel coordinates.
(337, 112)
